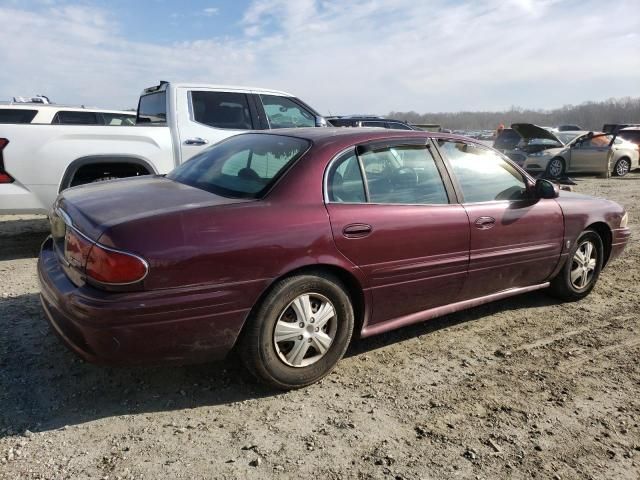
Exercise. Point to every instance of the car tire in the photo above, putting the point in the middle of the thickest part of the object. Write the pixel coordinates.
(579, 273)
(282, 343)
(622, 167)
(555, 168)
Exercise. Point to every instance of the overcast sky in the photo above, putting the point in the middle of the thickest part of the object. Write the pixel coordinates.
(339, 56)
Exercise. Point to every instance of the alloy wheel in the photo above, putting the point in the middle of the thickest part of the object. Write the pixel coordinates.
(583, 265)
(555, 167)
(622, 167)
(305, 330)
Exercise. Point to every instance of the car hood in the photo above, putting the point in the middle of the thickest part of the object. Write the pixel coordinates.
(529, 131)
(96, 207)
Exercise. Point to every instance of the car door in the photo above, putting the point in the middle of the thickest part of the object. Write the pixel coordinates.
(206, 116)
(394, 215)
(589, 155)
(515, 240)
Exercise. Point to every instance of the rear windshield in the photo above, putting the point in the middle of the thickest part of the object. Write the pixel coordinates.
(16, 115)
(244, 166)
(152, 108)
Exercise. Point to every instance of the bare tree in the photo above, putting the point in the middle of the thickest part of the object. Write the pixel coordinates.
(589, 115)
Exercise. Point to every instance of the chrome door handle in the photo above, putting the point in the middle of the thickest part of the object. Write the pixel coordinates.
(196, 141)
(485, 223)
(357, 230)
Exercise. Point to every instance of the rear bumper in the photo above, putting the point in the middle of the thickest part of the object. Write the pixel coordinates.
(132, 328)
(619, 239)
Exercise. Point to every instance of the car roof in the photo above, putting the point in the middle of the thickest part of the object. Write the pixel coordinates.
(230, 88)
(342, 137)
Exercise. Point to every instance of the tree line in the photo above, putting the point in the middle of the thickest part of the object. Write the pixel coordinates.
(589, 115)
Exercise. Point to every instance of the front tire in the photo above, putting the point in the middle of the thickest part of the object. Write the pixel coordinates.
(581, 270)
(299, 332)
(555, 168)
(623, 166)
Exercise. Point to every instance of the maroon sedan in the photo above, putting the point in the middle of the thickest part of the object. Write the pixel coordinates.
(285, 245)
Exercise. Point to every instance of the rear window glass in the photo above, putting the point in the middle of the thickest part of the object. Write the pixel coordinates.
(221, 110)
(17, 115)
(152, 108)
(118, 119)
(244, 166)
(75, 118)
(631, 135)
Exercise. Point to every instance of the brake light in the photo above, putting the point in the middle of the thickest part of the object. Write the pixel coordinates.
(4, 176)
(113, 267)
(100, 263)
(76, 249)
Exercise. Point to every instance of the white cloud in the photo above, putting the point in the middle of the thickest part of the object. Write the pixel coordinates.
(358, 56)
(211, 11)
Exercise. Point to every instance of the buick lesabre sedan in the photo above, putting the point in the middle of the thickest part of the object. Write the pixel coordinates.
(285, 245)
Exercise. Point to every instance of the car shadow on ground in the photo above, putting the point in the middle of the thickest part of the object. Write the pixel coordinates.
(21, 238)
(43, 386)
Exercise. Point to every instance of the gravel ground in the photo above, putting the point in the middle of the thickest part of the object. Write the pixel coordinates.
(522, 388)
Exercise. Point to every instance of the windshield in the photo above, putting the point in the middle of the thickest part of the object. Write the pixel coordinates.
(244, 166)
(566, 137)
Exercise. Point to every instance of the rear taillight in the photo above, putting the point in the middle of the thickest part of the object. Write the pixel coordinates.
(114, 267)
(4, 176)
(103, 264)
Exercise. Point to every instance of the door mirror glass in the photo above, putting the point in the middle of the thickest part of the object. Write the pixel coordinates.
(546, 189)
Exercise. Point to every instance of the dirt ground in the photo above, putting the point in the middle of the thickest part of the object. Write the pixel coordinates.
(521, 388)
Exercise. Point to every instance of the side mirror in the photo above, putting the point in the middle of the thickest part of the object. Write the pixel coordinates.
(546, 189)
(321, 121)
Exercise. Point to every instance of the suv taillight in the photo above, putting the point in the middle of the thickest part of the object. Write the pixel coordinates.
(102, 264)
(4, 176)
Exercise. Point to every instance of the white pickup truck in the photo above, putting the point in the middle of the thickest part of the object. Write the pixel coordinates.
(173, 123)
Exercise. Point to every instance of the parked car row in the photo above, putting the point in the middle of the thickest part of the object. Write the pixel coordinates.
(556, 153)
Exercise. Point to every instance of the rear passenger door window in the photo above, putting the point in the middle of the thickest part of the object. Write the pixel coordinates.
(483, 175)
(283, 112)
(227, 110)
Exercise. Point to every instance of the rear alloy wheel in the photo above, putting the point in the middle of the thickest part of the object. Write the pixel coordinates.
(555, 167)
(623, 166)
(299, 332)
(582, 268)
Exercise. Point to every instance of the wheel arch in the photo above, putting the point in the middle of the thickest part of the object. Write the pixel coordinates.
(604, 232)
(349, 280)
(81, 162)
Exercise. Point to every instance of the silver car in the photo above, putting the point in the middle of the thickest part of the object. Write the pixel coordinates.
(559, 153)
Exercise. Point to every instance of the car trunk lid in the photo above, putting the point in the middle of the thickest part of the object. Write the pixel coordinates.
(94, 208)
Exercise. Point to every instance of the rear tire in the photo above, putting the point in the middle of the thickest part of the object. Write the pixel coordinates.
(622, 167)
(581, 269)
(299, 332)
(555, 168)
